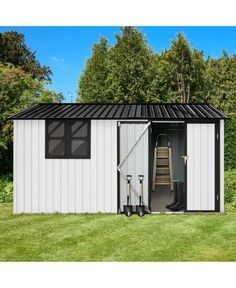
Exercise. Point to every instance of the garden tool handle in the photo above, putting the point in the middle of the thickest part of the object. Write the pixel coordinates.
(129, 191)
(141, 189)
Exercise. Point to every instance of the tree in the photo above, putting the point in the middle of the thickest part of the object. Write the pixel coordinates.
(92, 83)
(49, 96)
(18, 90)
(14, 50)
(130, 63)
(130, 72)
(221, 82)
(179, 73)
(120, 73)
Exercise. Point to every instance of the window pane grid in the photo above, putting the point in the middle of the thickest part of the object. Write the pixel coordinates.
(68, 139)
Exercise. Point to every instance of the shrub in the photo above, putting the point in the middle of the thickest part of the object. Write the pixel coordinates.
(230, 142)
(6, 188)
(230, 189)
(229, 207)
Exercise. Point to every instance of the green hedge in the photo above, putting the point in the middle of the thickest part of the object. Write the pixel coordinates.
(230, 190)
(6, 188)
(230, 142)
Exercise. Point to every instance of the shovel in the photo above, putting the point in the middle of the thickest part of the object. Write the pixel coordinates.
(128, 209)
(140, 209)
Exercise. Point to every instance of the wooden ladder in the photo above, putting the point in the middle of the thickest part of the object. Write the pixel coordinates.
(162, 165)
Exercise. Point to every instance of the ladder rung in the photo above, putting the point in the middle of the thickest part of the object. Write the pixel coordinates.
(163, 175)
(163, 170)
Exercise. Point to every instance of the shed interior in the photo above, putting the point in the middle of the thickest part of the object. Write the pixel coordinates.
(161, 195)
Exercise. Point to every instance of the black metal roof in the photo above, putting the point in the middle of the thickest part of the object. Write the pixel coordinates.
(120, 111)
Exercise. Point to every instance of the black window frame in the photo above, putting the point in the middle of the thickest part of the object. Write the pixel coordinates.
(67, 139)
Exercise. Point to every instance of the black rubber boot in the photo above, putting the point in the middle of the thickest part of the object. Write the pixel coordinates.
(180, 205)
(175, 195)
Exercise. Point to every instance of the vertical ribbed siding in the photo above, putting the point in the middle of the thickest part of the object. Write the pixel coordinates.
(64, 185)
(201, 167)
(221, 166)
(15, 165)
(136, 163)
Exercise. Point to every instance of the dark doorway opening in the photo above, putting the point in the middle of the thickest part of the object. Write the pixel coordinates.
(162, 194)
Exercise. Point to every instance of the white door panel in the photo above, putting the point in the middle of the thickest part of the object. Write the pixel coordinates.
(136, 163)
(201, 167)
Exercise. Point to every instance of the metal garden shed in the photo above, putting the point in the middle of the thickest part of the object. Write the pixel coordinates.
(75, 158)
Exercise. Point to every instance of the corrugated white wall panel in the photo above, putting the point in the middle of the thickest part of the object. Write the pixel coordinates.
(42, 167)
(15, 168)
(57, 185)
(71, 186)
(35, 171)
(64, 185)
(201, 167)
(27, 167)
(222, 166)
(136, 163)
(19, 167)
(113, 154)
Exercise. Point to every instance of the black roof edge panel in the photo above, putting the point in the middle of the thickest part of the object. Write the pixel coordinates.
(130, 119)
(120, 111)
(18, 114)
(107, 103)
(217, 111)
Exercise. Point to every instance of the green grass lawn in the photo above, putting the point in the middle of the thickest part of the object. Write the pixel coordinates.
(104, 237)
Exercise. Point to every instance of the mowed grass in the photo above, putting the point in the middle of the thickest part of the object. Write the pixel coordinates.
(108, 237)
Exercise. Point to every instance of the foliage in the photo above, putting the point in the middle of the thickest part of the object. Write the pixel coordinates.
(230, 187)
(48, 96)
(130, 62)
(22, 83)
(230, 141)
(92, 83)
(179, 73)
(229, 207)
(230, 190)
(18, 90)
(6, 188)
(221, 82)
(129, 71)
(120, 73)
(14, 50)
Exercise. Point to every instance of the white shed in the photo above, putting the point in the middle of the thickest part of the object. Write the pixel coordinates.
(75, 158)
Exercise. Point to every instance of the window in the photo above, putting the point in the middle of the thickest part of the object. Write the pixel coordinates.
(68, 139)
